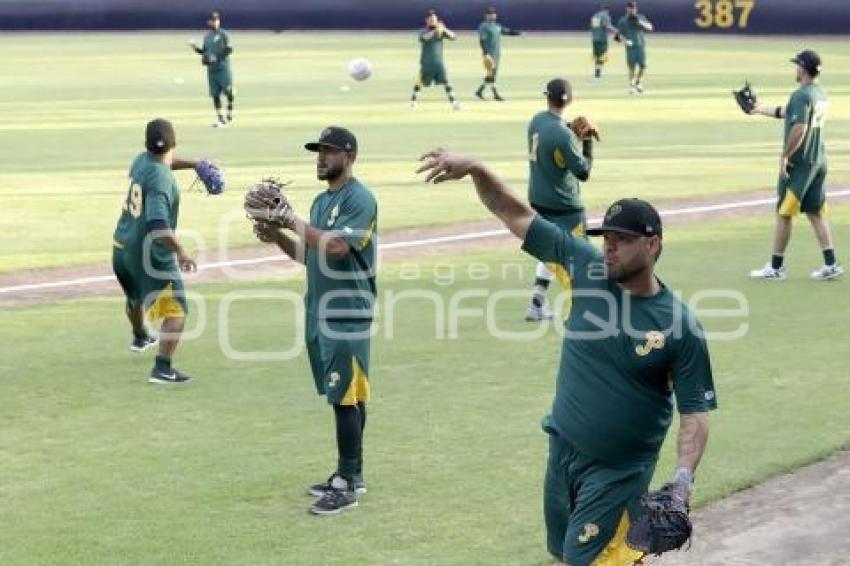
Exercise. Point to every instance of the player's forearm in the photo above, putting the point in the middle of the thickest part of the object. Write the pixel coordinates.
(166, 237)
(179, 163)
(770, 111)
(795, 140)
(501, 201)
(582, 173)
(693, 436)
(291, 247)
(326, 243)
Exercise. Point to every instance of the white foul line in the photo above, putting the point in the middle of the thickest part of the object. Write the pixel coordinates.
(407, 244)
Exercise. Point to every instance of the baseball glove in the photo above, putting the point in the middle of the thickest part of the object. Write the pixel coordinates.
(746, 98)
(265, 202)
(584, 128)
(664, 525)
(211, 176)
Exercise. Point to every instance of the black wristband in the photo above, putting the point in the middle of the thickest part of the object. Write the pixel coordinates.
(778, 112)
(587, 149)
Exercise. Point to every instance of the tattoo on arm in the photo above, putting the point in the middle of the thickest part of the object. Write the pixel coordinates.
(693, 436)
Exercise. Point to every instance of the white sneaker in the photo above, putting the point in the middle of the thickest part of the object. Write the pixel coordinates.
(535, 314)
(413, 105)
(218, 124)
(767, 273)
(632, 90)
(455, 105)
(827, 272)
(639, 88)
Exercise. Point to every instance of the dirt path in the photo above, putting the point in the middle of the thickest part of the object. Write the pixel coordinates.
(43, 285)
(799, 519)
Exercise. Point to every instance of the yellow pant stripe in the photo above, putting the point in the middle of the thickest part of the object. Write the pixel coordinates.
(358, 389)
(790, 205)
(165, 306)
(618, 553)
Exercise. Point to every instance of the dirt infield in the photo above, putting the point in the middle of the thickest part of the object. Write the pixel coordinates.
(799, 519)
(257, 262)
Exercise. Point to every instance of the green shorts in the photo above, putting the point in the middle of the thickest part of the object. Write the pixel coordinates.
(588, 505)
(339, 360)
(573, 222)
(160, 294)
(802, 191)
(432, 74)
(220, 82)
(636, 56)
(600, 51)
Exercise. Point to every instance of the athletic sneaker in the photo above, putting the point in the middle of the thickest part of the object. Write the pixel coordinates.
(767, 273)
(480, 94)
(639, 88)
(319, 489)
(497, 97)
(413, 105)
(632, 90)
(168, 376)
(827, 272)
(335, 499)
(455, 105)
(534, 313)
(144, 343)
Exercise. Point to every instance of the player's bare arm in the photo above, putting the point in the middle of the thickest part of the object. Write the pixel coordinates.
(795, 140)
(646, 25)
(441, 165)
(270, 234)
(178, 163)
(167, 238)
(693, 436)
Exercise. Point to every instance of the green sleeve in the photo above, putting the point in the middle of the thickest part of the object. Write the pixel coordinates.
(551, 244)
(606, 20)
(693, 383)
(571, 150)
(158, 199)
(357, 220)
(799, 109)
(623, 26)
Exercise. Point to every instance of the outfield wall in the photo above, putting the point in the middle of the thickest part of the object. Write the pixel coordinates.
(682, 16)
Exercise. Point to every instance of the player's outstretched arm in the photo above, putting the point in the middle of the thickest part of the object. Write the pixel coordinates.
(441, 165)
(179, 163)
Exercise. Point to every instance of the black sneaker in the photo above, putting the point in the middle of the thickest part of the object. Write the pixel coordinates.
(480, 94)
(319, 489)
(334, 501)
(144, 343)
(168, 376)
(497, 98)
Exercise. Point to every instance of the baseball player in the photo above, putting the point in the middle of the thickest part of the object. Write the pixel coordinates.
(631, 348)
(631, 29)
(215, 55)
(557, 162)
(802, 170)
(490, 34)
(600, 26)
(338, 246)
(146, 257)
(432, 68)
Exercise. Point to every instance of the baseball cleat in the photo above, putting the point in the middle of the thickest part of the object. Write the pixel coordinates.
(497, 97)
(319, 489)
(534, 314)
(479, 94)
(639, 88)
(827, 272)
(455, 105)
(767, 273)
(413, 105)
(168, 376)
(143, 344)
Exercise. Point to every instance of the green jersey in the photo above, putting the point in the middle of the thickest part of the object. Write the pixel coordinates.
(432, 47)
(624, 358)
(490, 38)
(632, 31)
(343, 289)
(808, 106)
(599, 23)
(555, 162)
(153, 202)
(217, 43)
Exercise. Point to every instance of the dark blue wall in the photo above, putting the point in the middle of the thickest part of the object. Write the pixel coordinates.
(766, 16)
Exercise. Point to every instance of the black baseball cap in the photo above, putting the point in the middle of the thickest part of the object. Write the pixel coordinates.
(809, 60)
(630, 216)
(490, 10)
(335, 137)
(214, 15)
(159, 136)
(631, 4)
(558, 90)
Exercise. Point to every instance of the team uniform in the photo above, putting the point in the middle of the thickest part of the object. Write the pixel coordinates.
(341, 294)
(614, 400)
(146, 270)
(804, 190)
(216, 48)
(490, 39)
(599, 24)
(633, 36)
(432, 67)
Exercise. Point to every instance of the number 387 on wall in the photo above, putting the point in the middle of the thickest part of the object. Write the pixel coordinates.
(723, 13)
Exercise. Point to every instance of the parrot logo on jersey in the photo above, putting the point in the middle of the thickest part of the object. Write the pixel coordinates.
(589, 531)
(334, 214)
(654, 341)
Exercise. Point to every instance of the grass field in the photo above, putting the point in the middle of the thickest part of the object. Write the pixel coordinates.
(97, 467)
(71, 129)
